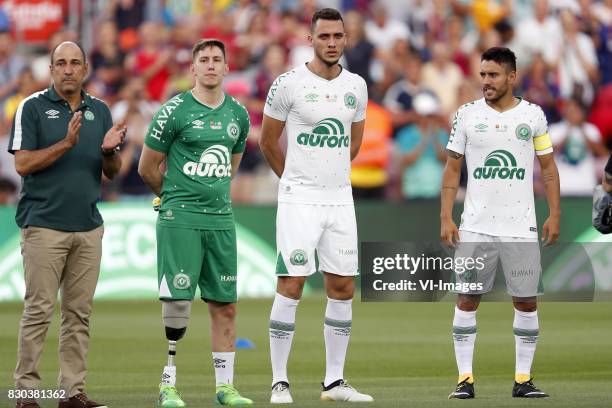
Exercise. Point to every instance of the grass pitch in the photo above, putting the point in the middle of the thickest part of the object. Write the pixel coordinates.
(401, 353)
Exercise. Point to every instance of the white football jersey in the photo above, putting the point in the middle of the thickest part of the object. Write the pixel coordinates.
(499, 152)
(318, 115)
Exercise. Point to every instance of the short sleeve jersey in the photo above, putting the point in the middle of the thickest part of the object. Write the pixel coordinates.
(318, 116)
(199, 142)
(499, 152)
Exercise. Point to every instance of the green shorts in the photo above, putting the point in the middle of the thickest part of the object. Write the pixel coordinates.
(190, 257)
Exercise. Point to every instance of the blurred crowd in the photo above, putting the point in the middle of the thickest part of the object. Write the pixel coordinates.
(420, 59)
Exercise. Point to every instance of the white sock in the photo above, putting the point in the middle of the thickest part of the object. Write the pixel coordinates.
(169, 376)
(337, 331)
(282, 328)
(526, 331)
(464, 337)
(224, 367)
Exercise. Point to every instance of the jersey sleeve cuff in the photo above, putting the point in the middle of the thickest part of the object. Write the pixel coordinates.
(156, 147)
(275, 115)
(455, 149)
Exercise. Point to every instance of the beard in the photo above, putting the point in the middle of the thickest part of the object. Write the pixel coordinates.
(498, 94)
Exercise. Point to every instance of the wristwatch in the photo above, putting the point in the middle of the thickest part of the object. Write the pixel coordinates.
(109, 153)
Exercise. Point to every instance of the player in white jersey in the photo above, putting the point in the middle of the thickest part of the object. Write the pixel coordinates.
(321, 106)
(499, 136)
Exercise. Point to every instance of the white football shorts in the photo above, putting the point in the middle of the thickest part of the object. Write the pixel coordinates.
(328, 230)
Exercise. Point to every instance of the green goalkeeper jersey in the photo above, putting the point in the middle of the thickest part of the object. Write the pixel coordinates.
(199, 143)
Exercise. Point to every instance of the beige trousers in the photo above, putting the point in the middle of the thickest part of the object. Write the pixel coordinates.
(69, 262)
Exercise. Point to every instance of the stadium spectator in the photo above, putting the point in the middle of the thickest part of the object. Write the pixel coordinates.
(443, 77)
(359, 51)
(183, 35)
(255, 40)
(63, 140)
(383, 30)
(577, 61)
(11, 66)
(422, 151)
(539, 87)
(243, 185)
(603, 40)
(151, 60)
(221, 27)
(128, 15)
(287, 34)
(577, 144)
(399, 97)
(107, 61)
(539, 35)
(26, 86)
(370, 169)
(136, 111)
(460, 43)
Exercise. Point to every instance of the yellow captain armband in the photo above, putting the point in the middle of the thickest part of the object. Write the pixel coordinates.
(542, 142)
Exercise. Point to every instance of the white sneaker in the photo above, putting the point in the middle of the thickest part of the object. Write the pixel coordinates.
(281, 394)
(341, 391)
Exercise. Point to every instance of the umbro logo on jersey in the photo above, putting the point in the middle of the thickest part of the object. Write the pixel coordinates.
(214, 162)
(52, 114)
(481, 127)
(499, 164)
(311, 97)
(326, 133)
(198, 124)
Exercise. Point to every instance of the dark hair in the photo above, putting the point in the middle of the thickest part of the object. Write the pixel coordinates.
(206, 43)
(501, 55)
(325, 14)
(71, 42)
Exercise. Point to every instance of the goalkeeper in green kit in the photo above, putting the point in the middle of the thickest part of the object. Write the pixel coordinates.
(201, 134)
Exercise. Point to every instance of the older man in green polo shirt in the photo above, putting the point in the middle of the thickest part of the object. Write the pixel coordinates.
(63, 140)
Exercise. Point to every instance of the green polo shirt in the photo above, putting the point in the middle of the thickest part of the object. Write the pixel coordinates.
(62, 196)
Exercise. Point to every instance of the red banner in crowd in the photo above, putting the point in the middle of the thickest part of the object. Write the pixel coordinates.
(34, 20)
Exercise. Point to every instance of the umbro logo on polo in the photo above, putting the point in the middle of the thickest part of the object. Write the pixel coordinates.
(52, 114)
